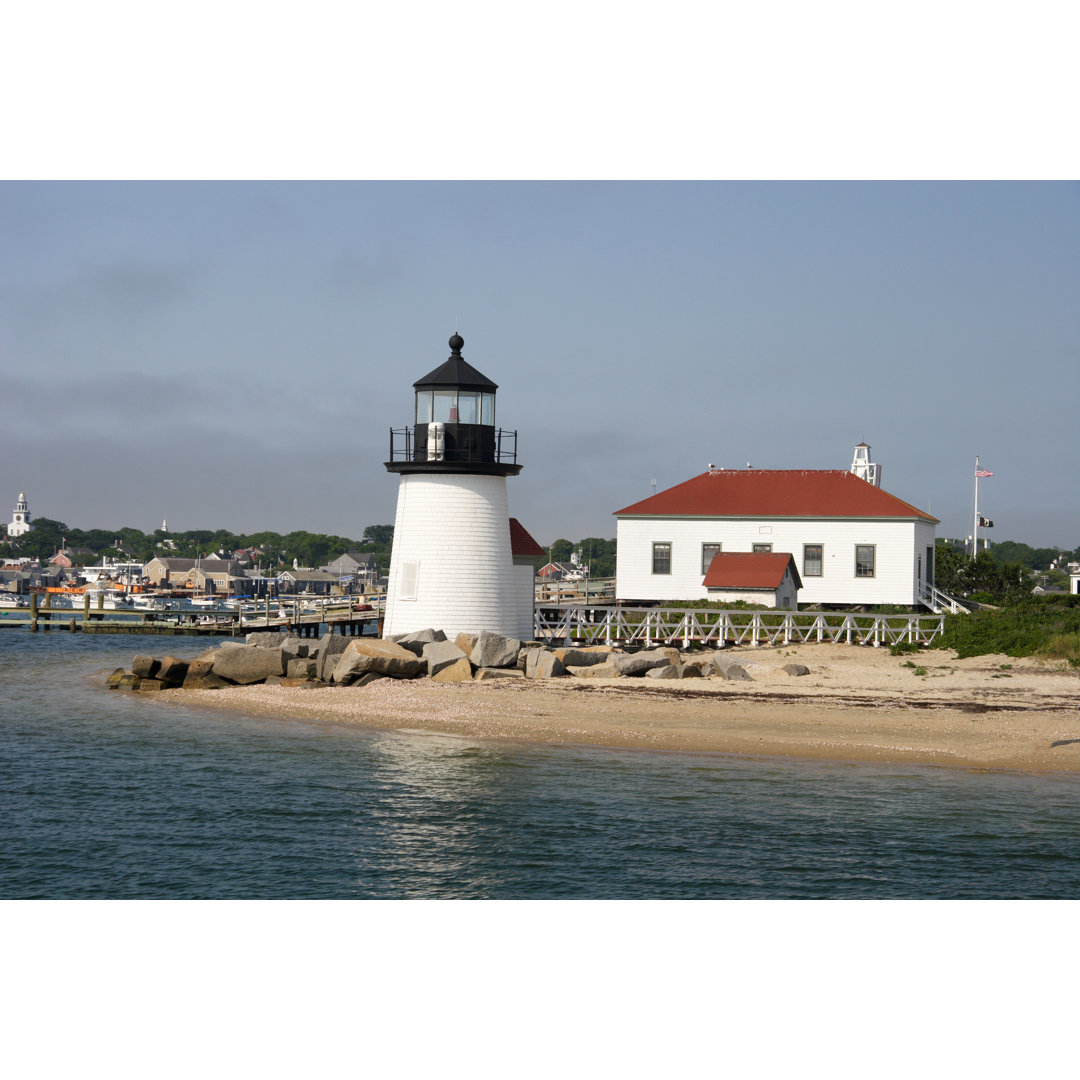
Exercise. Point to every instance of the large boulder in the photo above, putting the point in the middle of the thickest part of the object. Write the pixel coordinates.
(459, 670)
(200, 676)
(728, 669)
(494, 650)
(146, 667)
(417, 639)
(640, 662)
(441, 654)
(173, 671)
(466, 642)
(541, 664)
(331, 646)
(666, 671)
(488, 674)
(302, 667)
(595, 671)
(582, 657)
(362, 655)
(245, 665)
(796, 669)
(265, 639)
(293, 647)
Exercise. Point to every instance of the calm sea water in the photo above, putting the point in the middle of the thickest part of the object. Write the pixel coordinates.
(110, 795)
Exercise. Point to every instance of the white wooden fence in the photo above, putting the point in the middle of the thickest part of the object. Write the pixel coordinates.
(644, 627)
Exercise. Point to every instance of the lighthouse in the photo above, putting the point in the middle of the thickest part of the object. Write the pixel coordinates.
(451, 565)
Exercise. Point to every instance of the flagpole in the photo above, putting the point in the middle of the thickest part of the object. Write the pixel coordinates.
(975, 525)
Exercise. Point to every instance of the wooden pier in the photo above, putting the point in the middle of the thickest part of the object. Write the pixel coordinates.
(223, 621)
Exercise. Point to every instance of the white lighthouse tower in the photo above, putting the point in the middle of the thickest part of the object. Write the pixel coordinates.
(20, 518)
(451, 566)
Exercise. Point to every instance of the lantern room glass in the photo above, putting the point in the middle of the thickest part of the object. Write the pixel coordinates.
(455, 407)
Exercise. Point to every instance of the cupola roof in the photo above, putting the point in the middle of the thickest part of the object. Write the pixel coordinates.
(457, 372)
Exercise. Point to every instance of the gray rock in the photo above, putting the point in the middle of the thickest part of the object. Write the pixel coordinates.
(146, 667)
(416, 640)
(173, 671)
(487, 674)
(302, 667)
(494, 650)
(639, 663)
(459, 670)
(369, 677)
(691, 671)
(582, 657)
(265, 639)
(666, 671)
(245, 665)
(441, 654)
(541, 664)
(466, 642)
(331, 646)
(796, 669)
(362, 655)
(595, 671)
(733, 672)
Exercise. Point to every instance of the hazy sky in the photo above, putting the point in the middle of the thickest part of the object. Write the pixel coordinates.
(233, 354)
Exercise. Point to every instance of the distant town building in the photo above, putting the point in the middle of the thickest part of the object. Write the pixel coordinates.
(20, 517)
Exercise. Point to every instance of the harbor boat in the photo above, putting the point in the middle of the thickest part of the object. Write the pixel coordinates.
(10, 600)
(104, 597)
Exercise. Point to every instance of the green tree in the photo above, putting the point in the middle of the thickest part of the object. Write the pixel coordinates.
(379, 535)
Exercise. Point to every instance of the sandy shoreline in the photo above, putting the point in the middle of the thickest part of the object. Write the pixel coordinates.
(857, 704)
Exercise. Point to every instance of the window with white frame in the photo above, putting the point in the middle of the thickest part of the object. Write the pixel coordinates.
(865, 560)
(812, 559)
(661, 558)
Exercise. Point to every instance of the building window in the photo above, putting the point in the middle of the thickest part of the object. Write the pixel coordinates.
(707, 552)
(865, 555)
(811, 559)
(661, 558)
(410, 572)
(763, 547)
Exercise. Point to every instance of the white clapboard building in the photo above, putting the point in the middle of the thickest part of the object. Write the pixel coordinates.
(852, 542)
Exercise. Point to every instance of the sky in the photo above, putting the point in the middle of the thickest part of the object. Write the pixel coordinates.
(225, 258)
(233, 354)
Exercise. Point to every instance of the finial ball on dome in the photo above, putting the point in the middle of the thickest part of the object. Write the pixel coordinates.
(456, 342)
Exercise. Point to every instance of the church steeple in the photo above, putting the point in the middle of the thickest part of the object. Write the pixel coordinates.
(20, 519)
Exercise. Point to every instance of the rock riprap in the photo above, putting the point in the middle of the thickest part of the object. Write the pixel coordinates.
(268, 657)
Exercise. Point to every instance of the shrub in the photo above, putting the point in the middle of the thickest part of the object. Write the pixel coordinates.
(1025, 629)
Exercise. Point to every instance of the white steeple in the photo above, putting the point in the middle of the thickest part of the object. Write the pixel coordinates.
(863, 467)
(20, 520)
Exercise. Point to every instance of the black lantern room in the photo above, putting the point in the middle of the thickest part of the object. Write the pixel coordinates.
(454, 424)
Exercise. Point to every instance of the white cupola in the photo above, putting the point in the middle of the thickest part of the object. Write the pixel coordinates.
(863, 467)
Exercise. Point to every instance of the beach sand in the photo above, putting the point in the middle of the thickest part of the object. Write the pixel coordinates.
(857, 704)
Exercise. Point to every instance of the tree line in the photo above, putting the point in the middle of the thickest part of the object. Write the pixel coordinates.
(48, 536)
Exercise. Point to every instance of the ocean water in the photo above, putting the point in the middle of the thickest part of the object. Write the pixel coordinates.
(111, 795)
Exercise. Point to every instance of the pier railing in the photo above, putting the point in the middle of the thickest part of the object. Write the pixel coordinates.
(645, 627)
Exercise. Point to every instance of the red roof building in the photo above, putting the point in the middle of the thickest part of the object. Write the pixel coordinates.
(756, 577)
(852, 543)
(776, 493)
(522, 545)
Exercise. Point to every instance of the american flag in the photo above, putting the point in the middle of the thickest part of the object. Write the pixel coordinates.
(982, 474)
